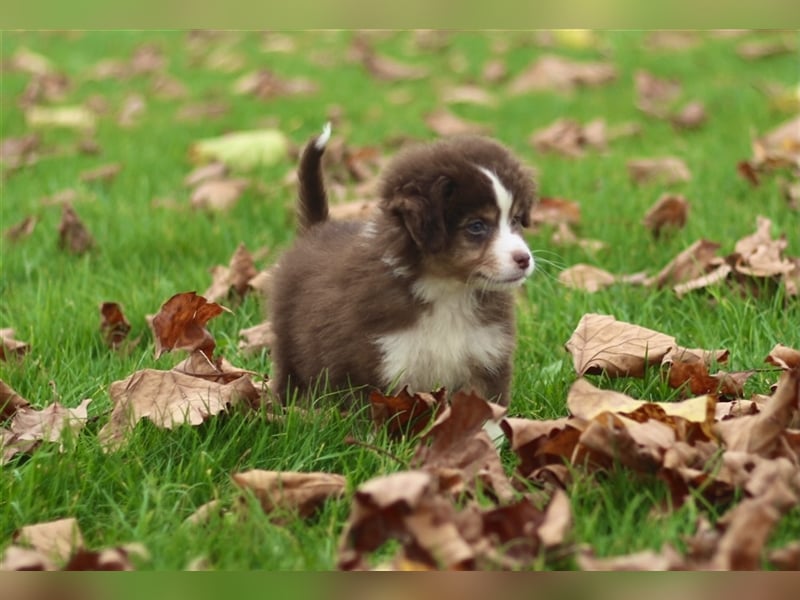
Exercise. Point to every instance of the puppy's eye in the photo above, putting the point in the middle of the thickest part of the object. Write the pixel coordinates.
(477, 227)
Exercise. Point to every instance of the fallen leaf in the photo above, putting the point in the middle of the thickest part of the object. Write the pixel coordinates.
(72, 233)
(167, 87)
(261, 282)
(19, 558)
(670, 41)
(218, 194)
(404, 414)
(266, 85)
(29, 427)
(71, 117)
(9, 347)
(292, 491)
(243, 150)
(233, 279)
(180, 324)
(570, 138)
(10, 401)
(689, 264)
(468, 94)
(18, 151)
(784, 357)
(55, 539)
(66, 196)
(713, 277)
(655, 95)
(201, 111)
(564, 236)
(755, 50)
(131, 111)
(211, 171)
(586, 277)
(556, 73)
(257, 338)
(692, 116)
(665, 170)
(786, 558)
(494, 71)
(669, 211)
(541, 443)
(22, 229)
(601, 344)
(555, 210)
(102, 173)
(444, 123)
(113, 324)
(668, 559)
(761, 256)
(27, 61)
(168, 399)
(108, 559)
(384, 68)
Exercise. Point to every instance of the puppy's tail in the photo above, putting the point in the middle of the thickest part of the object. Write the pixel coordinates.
(313, 201)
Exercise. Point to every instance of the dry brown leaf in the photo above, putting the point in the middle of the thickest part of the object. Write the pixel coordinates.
(468, 94)
(55, 539)
(218, 194)
(291, 491)
(113, 324)
(570, 138)
(169, 399)
(181, 324)
(786, 558)
(542, 443)
(784, 357)
(670, 40)
(690, 264)
(761, 256)
(18, 151)
(586, 277)
(564, 236)
(102, 173)
(202, 111)
(211, 171)
(219, 370)
(27, 61)
(754, 50)
(10, 401)
(19, 558)
(557, 520)
(65, 196)
(668, 559)
(381, 67)
(109, 559)
(664, 170)
(601, 344)
(405, 414)
(256, 338)
(233, 279)
(669, 211)
(9, 347)
(560, 74)
(22, 229)
(444, 123)
(72, 233)
(131, 111)
(166, 87)
(655, 95)
(494, 71)
(760, 434)
(692, 116)
(555, 210)
(266, 85)
(261, 282)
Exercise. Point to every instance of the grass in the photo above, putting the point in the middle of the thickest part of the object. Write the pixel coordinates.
(147, 253)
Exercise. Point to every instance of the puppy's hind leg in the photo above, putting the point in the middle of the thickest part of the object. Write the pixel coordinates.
(313, 201)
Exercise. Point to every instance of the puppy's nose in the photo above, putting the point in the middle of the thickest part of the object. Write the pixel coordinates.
(523, 259)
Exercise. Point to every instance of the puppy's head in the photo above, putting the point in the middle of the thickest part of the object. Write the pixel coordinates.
(463, 202)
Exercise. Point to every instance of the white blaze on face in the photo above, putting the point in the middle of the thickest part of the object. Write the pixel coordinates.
(507, 245)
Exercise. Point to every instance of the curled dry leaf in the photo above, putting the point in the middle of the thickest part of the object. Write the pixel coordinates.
(668, 559)
(564, 236)
(19, 558)
(169, 399)
(670, 211)
(655, 95)
(266, 85)
(570, 138)
(218, 194)
(9, 347)
(22, 229)
(405, 414)
(102, 173)
(181, 324)
(257, 338)
(468, 94)
(665, 170)
(754, 50)
(761, 256)
(72, 233)
(445, 123)
(695, 375)
(10, 401)
(233, 279)
(261, 282)
(784, 357)
(688, 265)
(551, 72)
(57, 540)
(692, 116)
(541, 444)
(555, 210)
(211, 171)
(29, 427)
(291, 491)
(601, 344)
(586, 277)
(113, 324)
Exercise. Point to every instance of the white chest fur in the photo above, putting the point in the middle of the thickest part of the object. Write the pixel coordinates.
(445, 343)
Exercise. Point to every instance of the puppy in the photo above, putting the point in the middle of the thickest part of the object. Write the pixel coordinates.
(420, 295)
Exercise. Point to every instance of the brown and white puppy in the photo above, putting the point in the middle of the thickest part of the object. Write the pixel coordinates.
(420, 295)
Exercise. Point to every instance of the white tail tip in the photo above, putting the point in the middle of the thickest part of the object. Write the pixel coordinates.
(322, 140)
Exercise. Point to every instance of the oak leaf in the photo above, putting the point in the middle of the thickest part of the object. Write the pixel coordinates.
(601, 344)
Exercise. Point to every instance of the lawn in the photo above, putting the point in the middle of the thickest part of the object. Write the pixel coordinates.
(153, 95)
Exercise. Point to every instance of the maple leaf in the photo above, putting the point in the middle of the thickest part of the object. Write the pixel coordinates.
(601, 344)
(669, 211)
(113, 324)
(72, 233)
(181, 324)
(288, 490)
(665, 170)
(233, 279)
(405, 414)
(169, 399)
(30, 427)
(9, 347)
(551, 72)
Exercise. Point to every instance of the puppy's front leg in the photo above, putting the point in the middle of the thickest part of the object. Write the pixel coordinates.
(494, 385)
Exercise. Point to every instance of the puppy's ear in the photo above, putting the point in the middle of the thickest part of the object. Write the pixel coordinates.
(423, 214)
